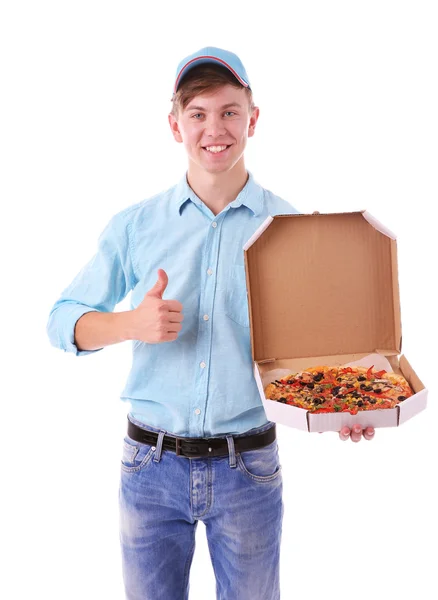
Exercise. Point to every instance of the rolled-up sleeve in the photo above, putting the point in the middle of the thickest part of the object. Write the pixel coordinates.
(100, 285)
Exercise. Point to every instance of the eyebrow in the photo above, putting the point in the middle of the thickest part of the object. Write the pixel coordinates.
(229, 105)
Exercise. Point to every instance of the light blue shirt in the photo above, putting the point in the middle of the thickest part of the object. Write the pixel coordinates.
(202, 384)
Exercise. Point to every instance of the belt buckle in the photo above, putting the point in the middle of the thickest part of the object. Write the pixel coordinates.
(179, 453)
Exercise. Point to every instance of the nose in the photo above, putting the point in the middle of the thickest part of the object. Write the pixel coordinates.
(214, 126)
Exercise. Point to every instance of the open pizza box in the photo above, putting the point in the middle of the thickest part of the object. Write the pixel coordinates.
(323, 290)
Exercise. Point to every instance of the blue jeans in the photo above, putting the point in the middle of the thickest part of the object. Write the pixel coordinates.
(238, 497)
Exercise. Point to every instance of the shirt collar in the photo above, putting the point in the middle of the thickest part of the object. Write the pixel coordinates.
(251, 195)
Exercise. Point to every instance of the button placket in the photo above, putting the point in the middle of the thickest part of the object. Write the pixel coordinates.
(205, 331)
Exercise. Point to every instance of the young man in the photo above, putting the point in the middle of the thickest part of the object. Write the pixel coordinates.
(198, 445)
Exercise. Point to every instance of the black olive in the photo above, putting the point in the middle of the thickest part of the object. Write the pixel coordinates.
(318, 377)
(310, 385)
(377, 391)
(339, 396)
(401, 398)
(350, 385)
(362, 386)
(373, 400)
(360, 403)
(282, 400)
(336, 390)
(290, 381)
(368, 388)
(339, 379)
(276, 381)
(303, 383)
(356, 395)
(361, 378)
(317, 401)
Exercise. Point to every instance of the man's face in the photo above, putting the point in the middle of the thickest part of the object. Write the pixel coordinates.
(214, 128)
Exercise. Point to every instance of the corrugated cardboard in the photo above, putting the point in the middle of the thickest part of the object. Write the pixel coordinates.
(323, 289)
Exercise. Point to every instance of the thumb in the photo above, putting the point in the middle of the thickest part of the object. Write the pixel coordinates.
(158, 290)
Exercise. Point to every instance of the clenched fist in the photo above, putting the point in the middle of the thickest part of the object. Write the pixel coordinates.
(156, 320)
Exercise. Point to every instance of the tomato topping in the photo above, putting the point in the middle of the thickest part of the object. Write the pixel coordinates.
(380, 374)
(369, 375)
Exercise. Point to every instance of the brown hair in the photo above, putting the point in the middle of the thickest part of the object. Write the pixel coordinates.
(205, 78)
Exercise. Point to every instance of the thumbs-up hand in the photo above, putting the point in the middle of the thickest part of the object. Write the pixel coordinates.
(156, 320)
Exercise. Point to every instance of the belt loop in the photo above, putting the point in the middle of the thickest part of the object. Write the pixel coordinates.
(231, 451)
(157, 456)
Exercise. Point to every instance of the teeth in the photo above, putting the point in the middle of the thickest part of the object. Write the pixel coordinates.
(215, 148)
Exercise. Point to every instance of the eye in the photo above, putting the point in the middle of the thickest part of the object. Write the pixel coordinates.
(196, 115)
(230, 112)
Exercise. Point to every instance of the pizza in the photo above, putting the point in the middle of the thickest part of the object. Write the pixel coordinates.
(340, 389)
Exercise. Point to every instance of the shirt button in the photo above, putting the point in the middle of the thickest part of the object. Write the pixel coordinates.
(203, 365)
(206, 317)
(214, 224)
(209, 271)
(197, 411)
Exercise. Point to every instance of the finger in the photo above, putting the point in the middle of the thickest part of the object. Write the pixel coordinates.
(344, 434)
(356, 433)
(175, 317)
(173, 305)
(368, 434)
(173, 327)
(159, 288)
(169, 337)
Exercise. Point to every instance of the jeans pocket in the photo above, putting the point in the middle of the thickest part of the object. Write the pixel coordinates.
(262, 464)
(135, 456)
(236, 297)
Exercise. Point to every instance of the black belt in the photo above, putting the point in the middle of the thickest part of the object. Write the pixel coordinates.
(201, 447)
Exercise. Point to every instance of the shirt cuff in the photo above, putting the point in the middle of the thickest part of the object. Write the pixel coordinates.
(75, 312)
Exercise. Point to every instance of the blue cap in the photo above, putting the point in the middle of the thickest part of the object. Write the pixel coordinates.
(212, 55)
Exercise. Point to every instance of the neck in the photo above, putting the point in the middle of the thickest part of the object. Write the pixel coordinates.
(217, 190)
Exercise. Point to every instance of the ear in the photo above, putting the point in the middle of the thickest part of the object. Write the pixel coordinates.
(174, 128)
(253, 121)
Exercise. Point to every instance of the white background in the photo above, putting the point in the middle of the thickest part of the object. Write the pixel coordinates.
(348, 120)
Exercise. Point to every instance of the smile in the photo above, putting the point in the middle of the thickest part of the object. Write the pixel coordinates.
(216, 149)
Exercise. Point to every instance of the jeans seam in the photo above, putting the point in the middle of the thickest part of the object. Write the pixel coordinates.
(214, 567)
(190, 487)
(186, 567)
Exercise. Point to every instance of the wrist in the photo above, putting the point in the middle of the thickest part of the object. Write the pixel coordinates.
(125, 325)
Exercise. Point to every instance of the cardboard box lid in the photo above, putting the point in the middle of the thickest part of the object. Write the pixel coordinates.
(323, 284)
